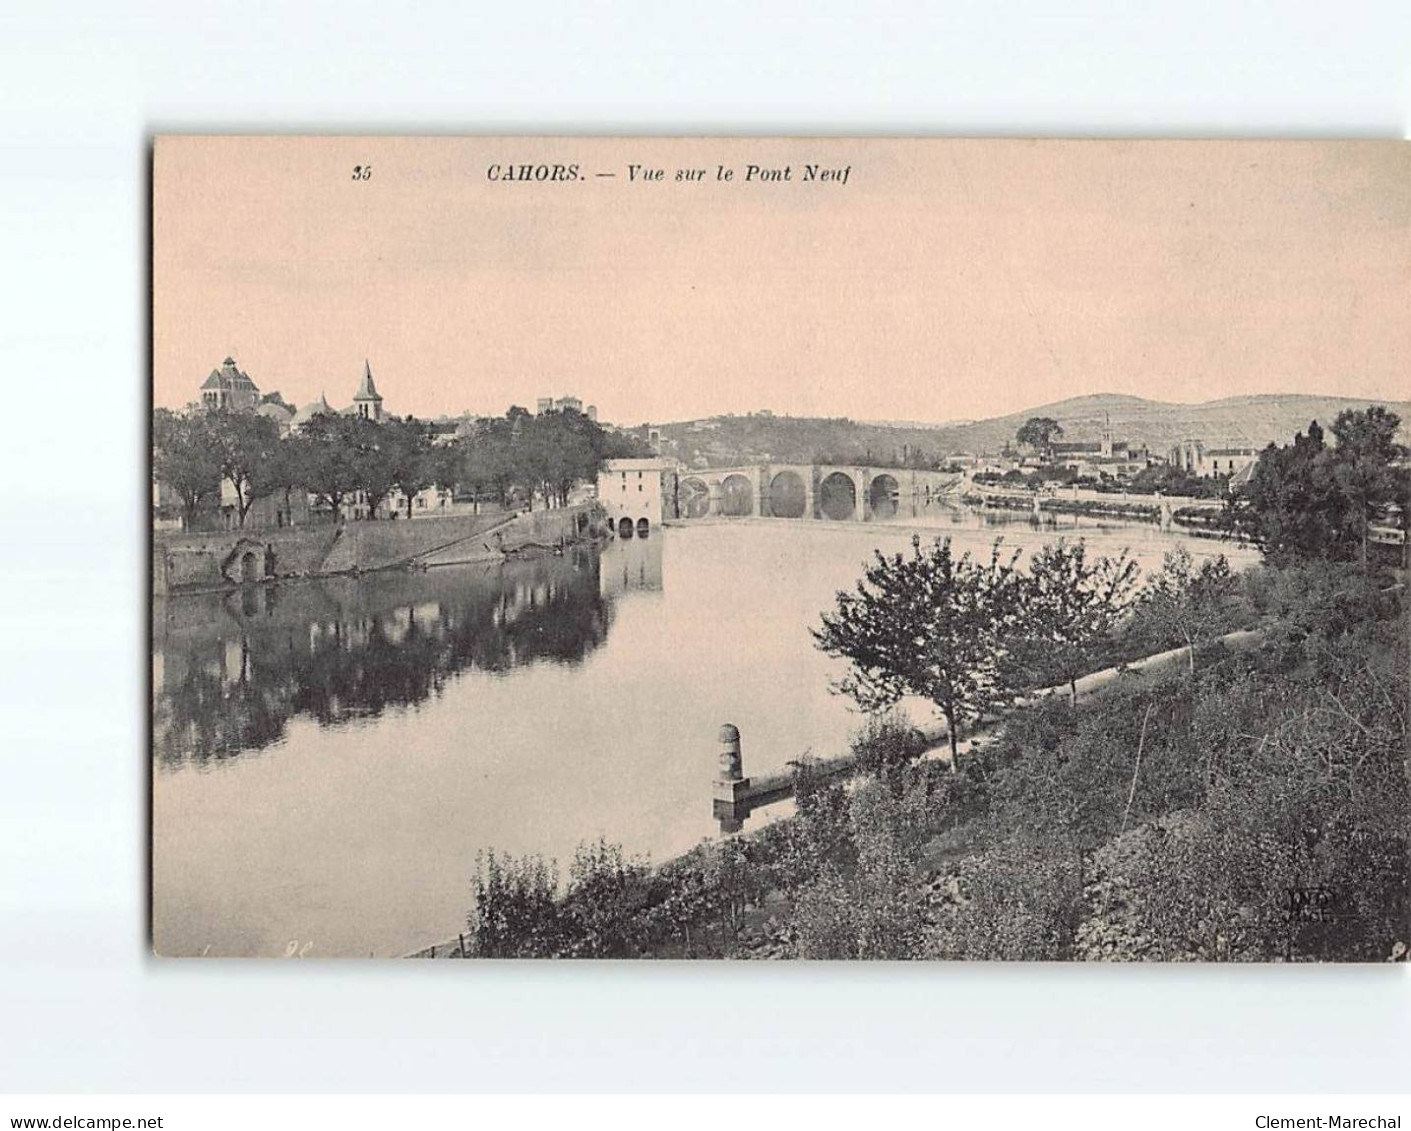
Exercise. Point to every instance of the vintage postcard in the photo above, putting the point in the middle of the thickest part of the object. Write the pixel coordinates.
(780, 549)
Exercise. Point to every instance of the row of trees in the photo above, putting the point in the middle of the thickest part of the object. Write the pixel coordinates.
(514, 458)
(969, 635)
(524, 456)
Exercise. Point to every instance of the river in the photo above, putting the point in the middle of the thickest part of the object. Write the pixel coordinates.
(329, 756)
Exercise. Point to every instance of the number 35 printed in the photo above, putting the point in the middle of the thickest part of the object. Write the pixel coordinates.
(362, 172)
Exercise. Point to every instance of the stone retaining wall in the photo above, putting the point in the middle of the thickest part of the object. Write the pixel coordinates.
(193, 562)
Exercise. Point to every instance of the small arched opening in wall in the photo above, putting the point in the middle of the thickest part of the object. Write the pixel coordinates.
(643, 528)
(883, 496)
(624, 528)
(737, 496)
(695, 498)
(837, 497)
(787, 497)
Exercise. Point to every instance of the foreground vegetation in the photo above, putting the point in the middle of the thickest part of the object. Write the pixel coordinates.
(1251, 806)
(1246, 805)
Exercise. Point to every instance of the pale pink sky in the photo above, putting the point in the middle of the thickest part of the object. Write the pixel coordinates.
(944, 280)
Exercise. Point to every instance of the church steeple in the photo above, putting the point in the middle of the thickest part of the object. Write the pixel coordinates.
(366, 401)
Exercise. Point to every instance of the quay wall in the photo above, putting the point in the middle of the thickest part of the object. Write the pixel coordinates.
(379, 545)
(205, 562)
(523, 532)
(184, 562)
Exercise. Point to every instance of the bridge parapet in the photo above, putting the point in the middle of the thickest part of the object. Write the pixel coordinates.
(835, 492)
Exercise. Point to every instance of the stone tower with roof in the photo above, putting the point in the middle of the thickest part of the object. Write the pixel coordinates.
(229, 388)
(366, 401)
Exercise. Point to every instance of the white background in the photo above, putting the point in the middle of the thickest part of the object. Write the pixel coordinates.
(81, 91)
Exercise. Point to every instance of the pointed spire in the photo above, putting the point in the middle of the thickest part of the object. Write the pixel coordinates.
(367, 391)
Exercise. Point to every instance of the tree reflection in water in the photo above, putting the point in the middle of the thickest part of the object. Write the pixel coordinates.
(231, 670)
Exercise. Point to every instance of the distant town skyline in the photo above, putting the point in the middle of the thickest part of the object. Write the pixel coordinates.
(946, 280)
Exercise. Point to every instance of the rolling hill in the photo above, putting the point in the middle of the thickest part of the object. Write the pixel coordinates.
(1251, 421)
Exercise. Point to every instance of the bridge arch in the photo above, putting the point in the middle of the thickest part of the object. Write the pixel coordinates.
(736, 496)
(788, 497)
(837, 497)
(883, 495)
(695, 497)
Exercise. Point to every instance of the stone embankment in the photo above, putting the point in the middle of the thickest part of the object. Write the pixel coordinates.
(196, 563)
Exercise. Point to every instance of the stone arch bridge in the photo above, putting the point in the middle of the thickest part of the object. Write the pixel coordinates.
(836, 492)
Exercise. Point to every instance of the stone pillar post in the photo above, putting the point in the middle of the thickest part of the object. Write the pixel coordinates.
(731, 784)
(810, 491)
(861, 511)
(717, 496)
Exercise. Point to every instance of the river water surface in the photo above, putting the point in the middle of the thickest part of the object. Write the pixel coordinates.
(329, 756)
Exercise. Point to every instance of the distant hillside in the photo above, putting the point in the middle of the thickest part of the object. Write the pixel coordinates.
(1233, 421)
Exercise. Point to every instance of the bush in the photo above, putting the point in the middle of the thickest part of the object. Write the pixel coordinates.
(875, 911)
(886, 744)
(1016, 900)
(515, 913)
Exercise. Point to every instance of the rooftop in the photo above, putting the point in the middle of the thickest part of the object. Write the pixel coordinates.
(229, 376)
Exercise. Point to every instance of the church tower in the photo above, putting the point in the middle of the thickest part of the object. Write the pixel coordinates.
(366, 402)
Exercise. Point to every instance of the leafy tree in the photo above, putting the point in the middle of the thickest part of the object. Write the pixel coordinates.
(1308, 501)
(1285, 508)
(410, 458)
(1185, 604)
(1070, 603)
(245, 442)
(485, 466)
(931, 625)
(373, 469)
(1039, 432)
(1362, 470)
(185, 457)
(329, 464)
(284, 471)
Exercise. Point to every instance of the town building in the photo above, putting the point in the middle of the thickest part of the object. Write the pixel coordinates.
(561, 404)
(229, 388)
(305, 415)
(638, 491)
(1105, 457)
(1194, 458)
(273, 408)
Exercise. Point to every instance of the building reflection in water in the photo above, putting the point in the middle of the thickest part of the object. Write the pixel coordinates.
(230, 670)
(633, 564)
